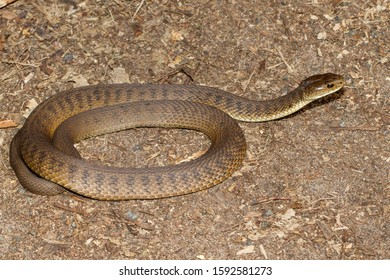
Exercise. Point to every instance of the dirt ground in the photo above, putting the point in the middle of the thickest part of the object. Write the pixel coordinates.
(315, 185)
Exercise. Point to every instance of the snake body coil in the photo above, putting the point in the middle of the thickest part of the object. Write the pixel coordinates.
(45, 161)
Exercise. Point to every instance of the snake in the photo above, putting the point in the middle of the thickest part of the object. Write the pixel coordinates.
(45, 161)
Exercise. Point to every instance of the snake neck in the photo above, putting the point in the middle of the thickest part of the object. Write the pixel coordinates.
(248, 110)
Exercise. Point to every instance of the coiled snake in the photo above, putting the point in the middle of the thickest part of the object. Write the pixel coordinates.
(45, 161)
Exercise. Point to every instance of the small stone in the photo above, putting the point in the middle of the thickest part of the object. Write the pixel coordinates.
(131, 216)
(321, 35)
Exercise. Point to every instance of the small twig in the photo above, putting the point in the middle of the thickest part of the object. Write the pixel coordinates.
(321, 199)
(2, 159)
(73, 210)
(182, 70)
(249, 80)
(130, 224)
(112, 17)
(269, 199)
(20, 63)
(231, 227)
(285, 62)
(364, 128)
(138, 8)
(274, 66)
(326, 231)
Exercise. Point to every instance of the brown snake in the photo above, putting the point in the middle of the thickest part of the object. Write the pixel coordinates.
(45, 161)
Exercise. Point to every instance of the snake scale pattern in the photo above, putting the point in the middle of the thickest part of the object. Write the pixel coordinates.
(45, 161)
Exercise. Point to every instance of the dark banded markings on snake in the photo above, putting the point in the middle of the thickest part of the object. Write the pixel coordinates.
(106, 97)
(113, 180)
(159, 179)
(118, 94)
(99, 178)
(86, 175)
(145, 180)
(89, 99)
(130, 180)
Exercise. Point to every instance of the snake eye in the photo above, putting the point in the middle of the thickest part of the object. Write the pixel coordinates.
(330, 85)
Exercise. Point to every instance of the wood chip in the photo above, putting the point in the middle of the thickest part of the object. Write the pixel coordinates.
(119, 75)
(263, 252)
(7, 124)
(328, 233)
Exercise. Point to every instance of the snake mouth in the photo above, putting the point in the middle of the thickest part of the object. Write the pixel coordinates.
(329, 93)
(325, 94)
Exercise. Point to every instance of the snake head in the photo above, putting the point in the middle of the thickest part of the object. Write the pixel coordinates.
(321, 85)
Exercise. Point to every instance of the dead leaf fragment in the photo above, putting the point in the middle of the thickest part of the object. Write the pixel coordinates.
(288, 214)
(8, 15)
(80, 81)
(247, 250)
(4, 3)
(119, 75)
(176, 36)
(31, 104)
(263, 252)
(7, 124)
(137, 29)
(328, 233)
